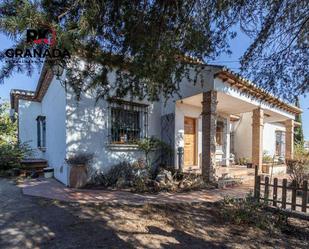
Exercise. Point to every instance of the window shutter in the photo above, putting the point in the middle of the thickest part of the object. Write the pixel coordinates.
(44, 132)
(38, 132)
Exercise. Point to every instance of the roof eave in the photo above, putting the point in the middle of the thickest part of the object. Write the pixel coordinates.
(17, 94)
(45, 79)
(246, 85)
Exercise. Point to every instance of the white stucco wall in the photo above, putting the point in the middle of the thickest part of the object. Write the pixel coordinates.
(187, 88)
(182, 111)
(269, 137)
(27, 126)
(87, 129)
(243, 136)
(53, 107)
(82, 126)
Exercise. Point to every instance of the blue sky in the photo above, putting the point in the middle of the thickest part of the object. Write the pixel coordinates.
(238, 46)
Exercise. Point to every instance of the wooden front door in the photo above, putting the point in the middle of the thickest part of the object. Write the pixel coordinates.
(189, 142)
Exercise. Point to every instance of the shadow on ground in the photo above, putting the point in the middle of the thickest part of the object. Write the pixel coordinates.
(32, 222)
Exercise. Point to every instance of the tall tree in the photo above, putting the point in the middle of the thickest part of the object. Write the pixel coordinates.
(149, 42)
(298, 131)
(8, 129)
(278, 57)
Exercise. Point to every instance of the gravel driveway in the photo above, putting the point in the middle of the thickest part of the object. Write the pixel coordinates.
(34, 222)
(30, 222)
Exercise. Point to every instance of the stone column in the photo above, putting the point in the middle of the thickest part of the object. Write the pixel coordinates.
(257, 137)
(209, 124)
(289, 139)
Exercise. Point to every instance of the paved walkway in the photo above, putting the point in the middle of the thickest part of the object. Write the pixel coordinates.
(52, 189)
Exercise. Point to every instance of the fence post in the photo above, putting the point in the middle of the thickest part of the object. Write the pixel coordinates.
(275, 191)
(294, 188)
(257, 188)
(256, 170)
(284, 186)
(266, 190)
(304, 197)
(256, 184)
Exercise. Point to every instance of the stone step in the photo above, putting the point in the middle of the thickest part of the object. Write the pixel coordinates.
(33, 162)
(29, 166)
(229, 182)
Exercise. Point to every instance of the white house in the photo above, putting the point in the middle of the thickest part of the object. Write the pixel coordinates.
(224, 114)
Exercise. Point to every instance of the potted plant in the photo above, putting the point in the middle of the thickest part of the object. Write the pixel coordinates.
(267, 162)
(78, 169)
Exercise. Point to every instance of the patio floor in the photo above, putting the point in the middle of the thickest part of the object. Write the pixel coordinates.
(52, 189)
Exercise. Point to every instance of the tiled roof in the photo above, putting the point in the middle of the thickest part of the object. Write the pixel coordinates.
(37, 95)
(223, 73)
(245, 85)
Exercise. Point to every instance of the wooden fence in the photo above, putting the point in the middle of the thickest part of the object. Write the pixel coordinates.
(281, 193)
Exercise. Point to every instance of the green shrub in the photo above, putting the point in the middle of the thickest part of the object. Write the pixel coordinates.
(243, 161)
(246, 211)
(120, 175)
(298, 170)
(11, 154)
(149, 146)
(120, 170)
(170, 168)
(140, 184)
(81, 158)
(300, 153)
(124, 175)
(267, 158)
(8, 129)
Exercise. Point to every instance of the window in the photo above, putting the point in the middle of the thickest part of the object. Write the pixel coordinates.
(41, 131)
(219, 135)
(128, 122)
(280, 143)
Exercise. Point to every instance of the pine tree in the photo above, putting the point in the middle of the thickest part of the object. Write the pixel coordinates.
(151, 42)
(277, 58)
(8, 129)
(298, 131)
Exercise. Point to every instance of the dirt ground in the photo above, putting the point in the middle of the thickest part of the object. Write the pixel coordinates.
(32, 222)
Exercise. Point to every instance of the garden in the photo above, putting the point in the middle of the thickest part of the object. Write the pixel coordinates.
(11, 151)
(150, 173)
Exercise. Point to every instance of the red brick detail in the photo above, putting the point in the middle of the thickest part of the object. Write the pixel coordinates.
(257, 137)
(289, 139)
(209, 123)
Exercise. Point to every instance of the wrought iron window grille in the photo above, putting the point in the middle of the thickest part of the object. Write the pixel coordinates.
(128, 121)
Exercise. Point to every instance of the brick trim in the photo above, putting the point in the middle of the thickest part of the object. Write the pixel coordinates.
(257, 137)
(209, 123)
